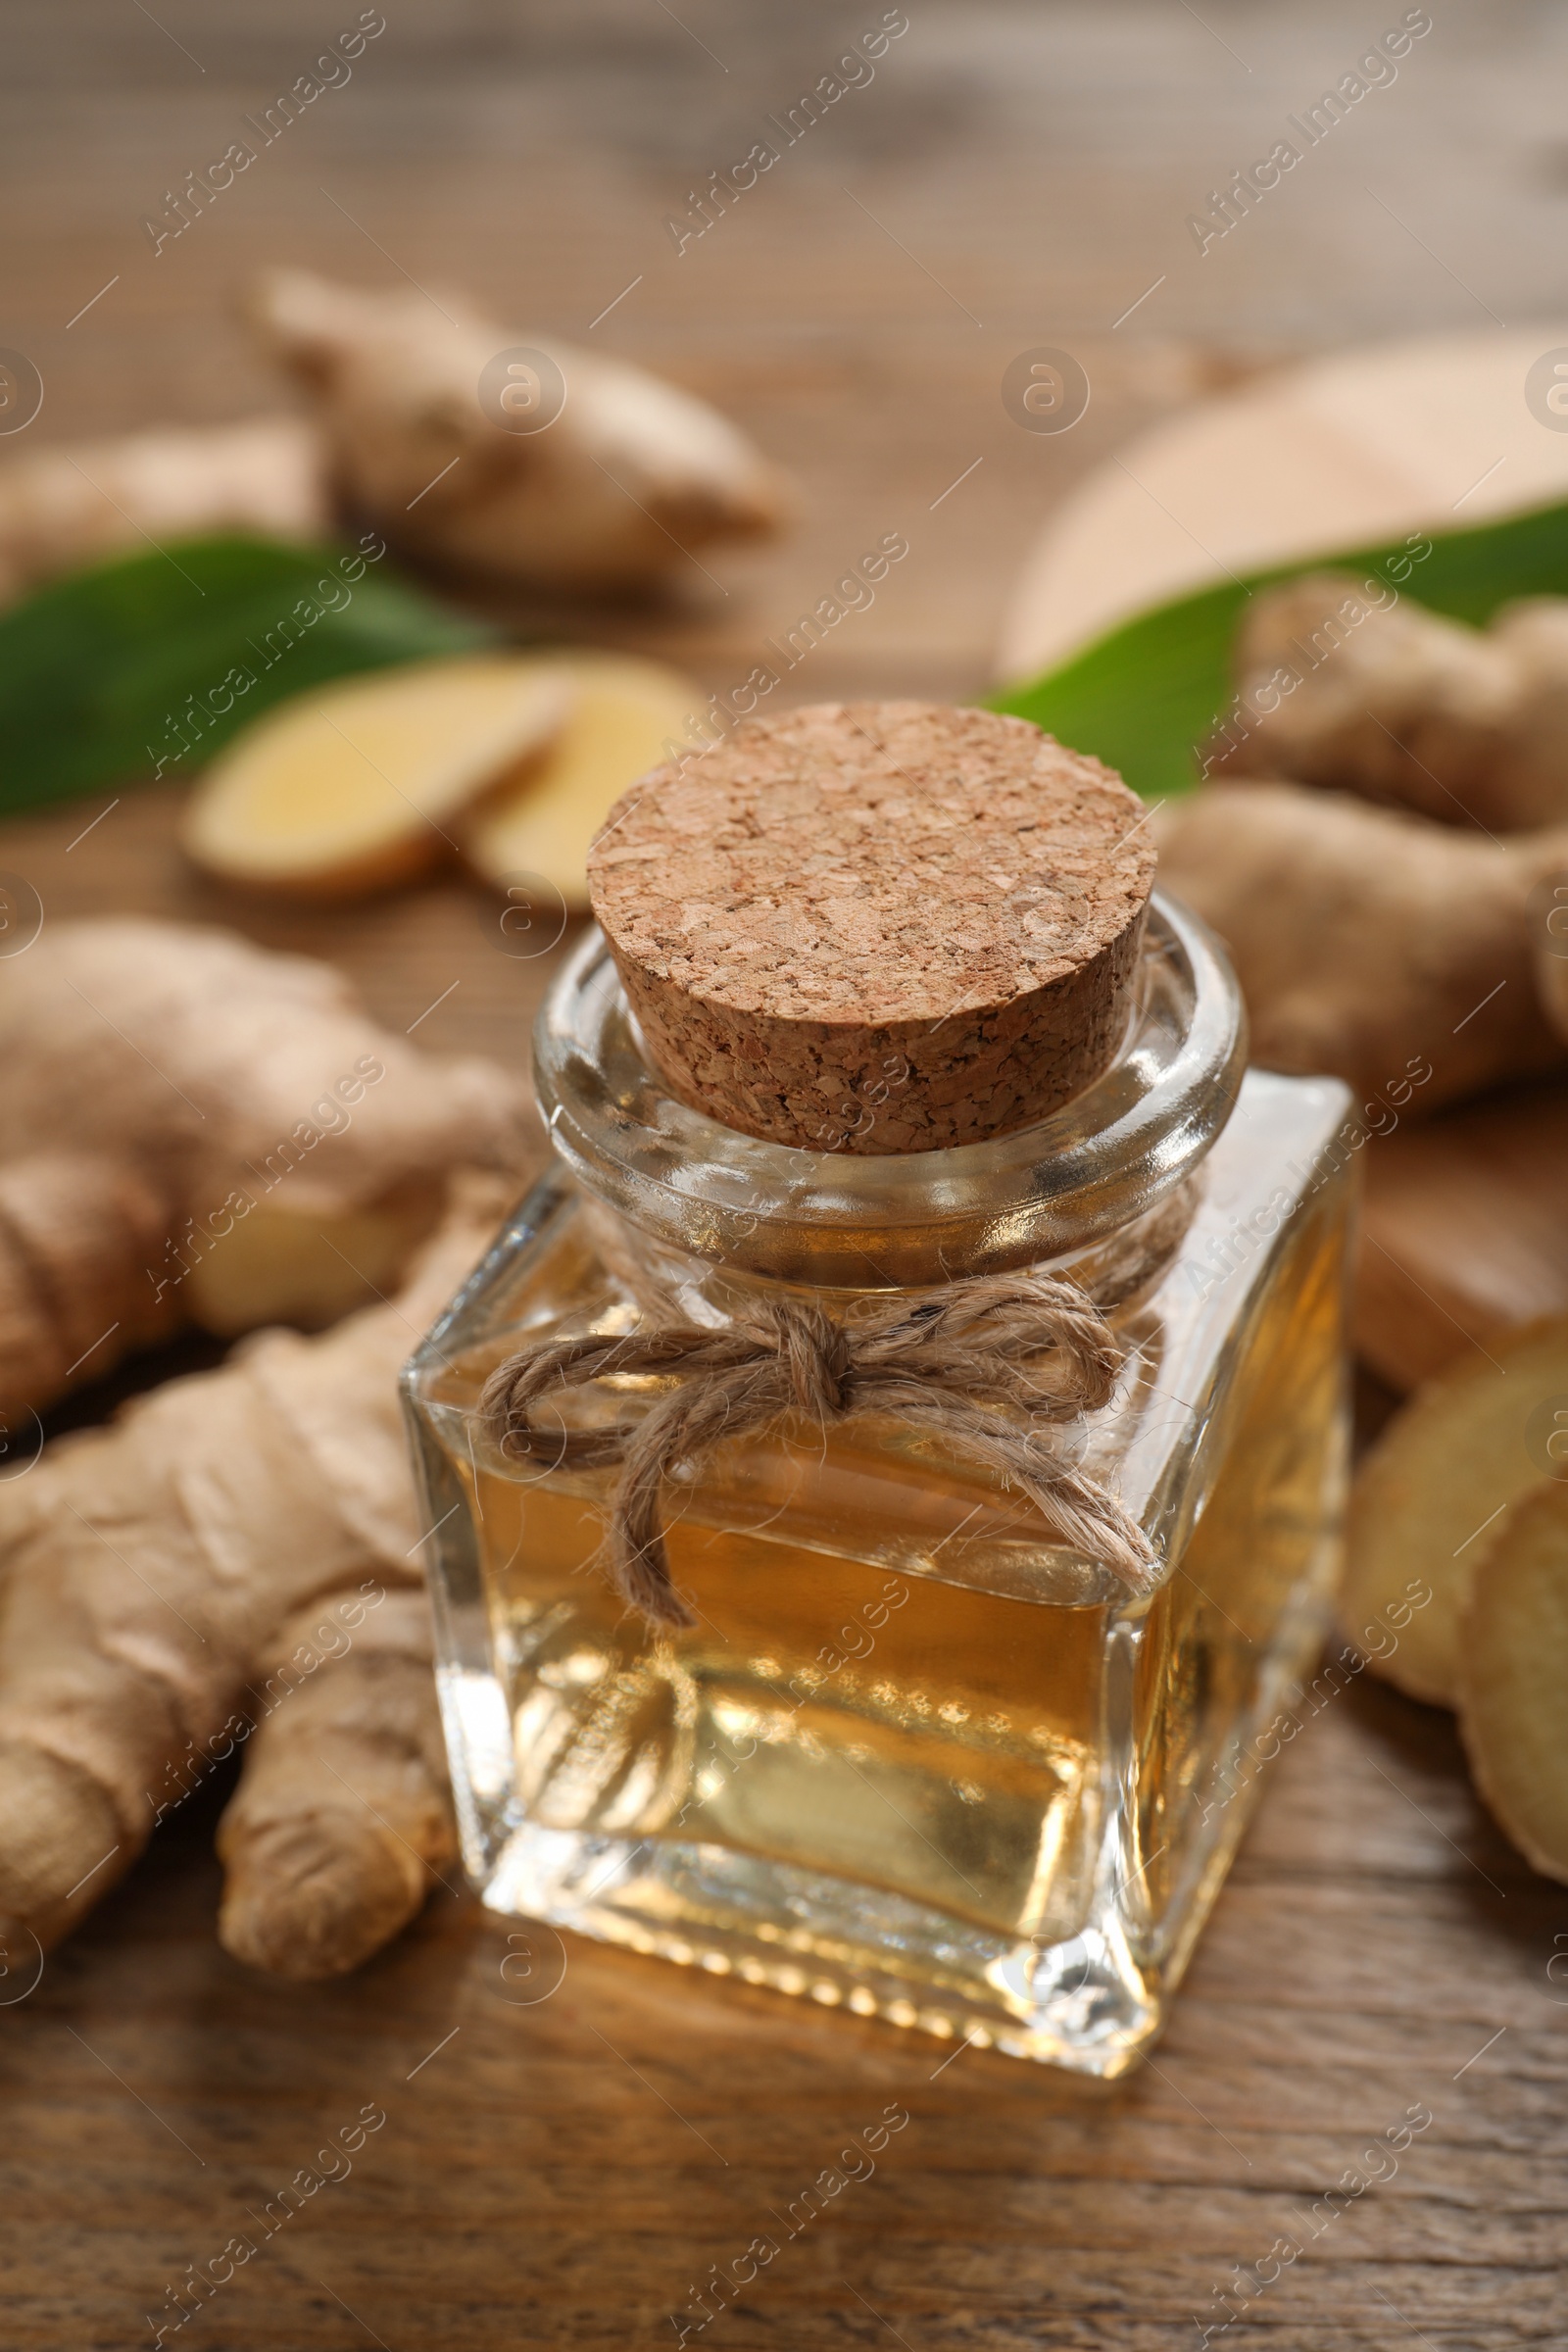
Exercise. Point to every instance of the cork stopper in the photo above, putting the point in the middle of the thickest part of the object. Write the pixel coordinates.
(877, 927)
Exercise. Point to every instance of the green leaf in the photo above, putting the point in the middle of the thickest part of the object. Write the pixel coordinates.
(1145, 697)
(106, 671)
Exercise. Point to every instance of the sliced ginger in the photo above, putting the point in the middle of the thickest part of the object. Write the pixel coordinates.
(624, 715)
(1513, 1673)
(1440, 1487)
(357, 785)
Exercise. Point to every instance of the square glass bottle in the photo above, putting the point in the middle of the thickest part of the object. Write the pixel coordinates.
(915, 1755)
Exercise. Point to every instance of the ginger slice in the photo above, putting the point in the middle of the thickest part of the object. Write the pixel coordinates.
(1512, 1673)
(1442, 1483)
(351, 788)
(623, 716)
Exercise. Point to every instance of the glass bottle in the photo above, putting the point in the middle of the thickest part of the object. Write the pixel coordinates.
(915, 1755)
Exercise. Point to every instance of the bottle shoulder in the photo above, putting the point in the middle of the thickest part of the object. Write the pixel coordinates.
(1259, 1266)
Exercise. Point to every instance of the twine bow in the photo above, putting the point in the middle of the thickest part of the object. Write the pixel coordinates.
(1032, 1345)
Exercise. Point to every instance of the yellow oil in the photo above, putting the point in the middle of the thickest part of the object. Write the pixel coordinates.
(885, 1683)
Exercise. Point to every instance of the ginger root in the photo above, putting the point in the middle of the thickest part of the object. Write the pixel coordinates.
(65, 506)
(213, 1133)
(77, 1233)
(343, 1814)
(354, 787)
(187, 1574)
(629, 478)
(626, 482)
(1372, 694)
(1368, 944)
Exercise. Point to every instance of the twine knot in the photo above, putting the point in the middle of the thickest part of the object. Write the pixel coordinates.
(1003, 1369)
(814, 1353)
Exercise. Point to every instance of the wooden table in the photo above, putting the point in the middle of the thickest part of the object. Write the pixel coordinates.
(567, 2173)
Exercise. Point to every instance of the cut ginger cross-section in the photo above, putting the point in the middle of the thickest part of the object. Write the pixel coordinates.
(626, 713)
(357, 785)
(1513, 1669)
(1439, 1486)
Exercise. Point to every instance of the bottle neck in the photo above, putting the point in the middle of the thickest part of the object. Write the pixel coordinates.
(1107, 1179)
(674, 1284)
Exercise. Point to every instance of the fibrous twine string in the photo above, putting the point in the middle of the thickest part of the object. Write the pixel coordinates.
(1032, 1346)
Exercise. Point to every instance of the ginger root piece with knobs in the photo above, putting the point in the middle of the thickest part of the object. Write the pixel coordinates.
(61, 506)
(614, 492)
(1346, 684)
(1369, 943)
(238, 1549)
(78, 1234)
(344, 1814)
(201, 1131)
(615, 489)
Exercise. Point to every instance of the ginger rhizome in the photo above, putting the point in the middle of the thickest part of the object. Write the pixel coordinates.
(238, 1550)
(83, 1240)
(441, 428)
(1368, 943)
(614, 486)
(1342, 682)
(201, 1131)
(65, 506)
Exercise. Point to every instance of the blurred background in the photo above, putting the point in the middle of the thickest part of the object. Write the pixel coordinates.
(1009, 175)
(1012, 174)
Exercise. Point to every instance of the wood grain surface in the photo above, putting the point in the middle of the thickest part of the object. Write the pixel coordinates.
(1464, 1231)
(565, 2157)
